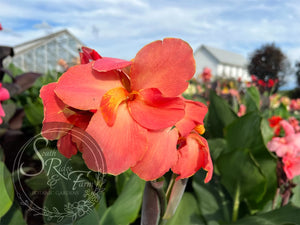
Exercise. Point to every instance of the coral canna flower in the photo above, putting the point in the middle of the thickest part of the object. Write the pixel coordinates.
(135, 104)
(193, 152)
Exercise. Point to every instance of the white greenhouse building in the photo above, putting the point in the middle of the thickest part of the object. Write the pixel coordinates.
(224, 64)
(42, 54)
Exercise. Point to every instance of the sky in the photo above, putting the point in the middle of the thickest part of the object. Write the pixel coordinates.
(119, 28)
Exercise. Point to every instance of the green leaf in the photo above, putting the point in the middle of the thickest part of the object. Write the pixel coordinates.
(127, 206)
(34, 113)
(247, 133)
(296, 192)
(38, 183)
(6, 190)
(282, 111)
(239, 170)
(95, 216)
(214, 203)
(187, 212)
(286, 215)
(71, 196)
(121, 180)
(217, 146)
(13, 217)
(252, 99)
(266, 131)
(219, 116)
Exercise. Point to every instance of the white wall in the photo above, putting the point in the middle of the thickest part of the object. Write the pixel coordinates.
(204, 59)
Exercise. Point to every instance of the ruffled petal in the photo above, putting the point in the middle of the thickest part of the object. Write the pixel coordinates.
(280, 146)
(194, 116)
(166, 65)
(122, 144)
(106, 64)
(81, 87)
(66, 146)
(88, 55)
(193, 156)
(154, 111)
(110, 103)
(161, 155)
(54, 117)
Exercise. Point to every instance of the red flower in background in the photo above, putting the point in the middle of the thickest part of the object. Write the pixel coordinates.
(274, 123)
(4, 95)
(262, 83)
(1, 27)
(135, 105)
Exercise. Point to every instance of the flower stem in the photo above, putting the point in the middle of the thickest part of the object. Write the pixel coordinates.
(236, 204)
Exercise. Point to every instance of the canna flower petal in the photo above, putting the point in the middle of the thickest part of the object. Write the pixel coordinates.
(88, 55)
(154, 111)
(193, 156)
(287, 127)
(110, 103)
(82, 88)
(66, 145)
(53, 111)
(106, 64)
(122, 144)
(166, 65)
(160, 156)
(291, 166)
(194, 116)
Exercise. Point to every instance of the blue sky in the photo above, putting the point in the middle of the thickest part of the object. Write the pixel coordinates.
(119, 28)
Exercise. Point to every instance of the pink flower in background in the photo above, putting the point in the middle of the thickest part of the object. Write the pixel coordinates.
(295, 104)
(242, 110)
(1, 28)
(291, 166)
(4, 95)
(206, 74)
(288, 148)
(295, 124)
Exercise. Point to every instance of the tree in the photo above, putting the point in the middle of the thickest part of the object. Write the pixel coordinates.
(269, 62)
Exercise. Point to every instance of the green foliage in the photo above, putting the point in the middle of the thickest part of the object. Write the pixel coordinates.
(220, 115)
(127, 206)
(6, 190)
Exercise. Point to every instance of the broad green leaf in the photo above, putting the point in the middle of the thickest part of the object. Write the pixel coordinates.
(71, 195)
(286, 215)
(127, 206)
(216, 147)
(6, 190)
(34, 113)
(282, 111)
(247, 133)
(252, 99)
(266, 131)
(296, 192)
(95, 215)
(121, 180)
(213, 201)
(220, 115)
(187, 212)
(38, 183)
(239, 170)
(13, 217)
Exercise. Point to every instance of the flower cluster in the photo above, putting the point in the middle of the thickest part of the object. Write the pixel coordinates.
(134, 111)
(287, 147)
